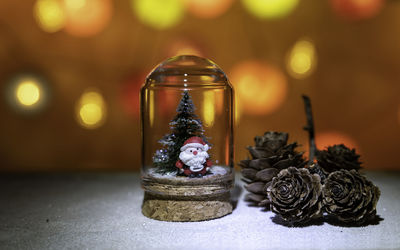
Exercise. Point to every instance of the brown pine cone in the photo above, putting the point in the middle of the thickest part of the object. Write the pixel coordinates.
(295, 195)
(315, 168)
(338, 157)
(350, 196)
(270, 154)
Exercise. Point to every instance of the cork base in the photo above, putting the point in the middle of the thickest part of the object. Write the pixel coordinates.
(187, 199)
(185, 210)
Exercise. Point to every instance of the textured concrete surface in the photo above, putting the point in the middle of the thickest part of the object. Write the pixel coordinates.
(102, 211)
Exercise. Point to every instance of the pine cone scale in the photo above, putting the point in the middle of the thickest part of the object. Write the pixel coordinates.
(254, 197)
(249, 173)
(259, 164)
(267, 174)
(258, 152)
(272, 140)
(256, 187)
(244, 163)
(282, 164)
(266, 186)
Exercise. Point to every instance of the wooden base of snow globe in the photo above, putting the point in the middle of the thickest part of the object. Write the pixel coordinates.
(179, 198)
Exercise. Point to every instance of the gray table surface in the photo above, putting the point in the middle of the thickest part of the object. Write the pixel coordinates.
(103, 211)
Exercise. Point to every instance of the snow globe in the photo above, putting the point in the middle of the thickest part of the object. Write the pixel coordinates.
(187, 140)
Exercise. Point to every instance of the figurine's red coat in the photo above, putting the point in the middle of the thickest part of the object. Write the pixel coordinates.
(186, 170)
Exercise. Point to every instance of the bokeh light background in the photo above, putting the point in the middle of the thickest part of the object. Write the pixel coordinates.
(71, 71)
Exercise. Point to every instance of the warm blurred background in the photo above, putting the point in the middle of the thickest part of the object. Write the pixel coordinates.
(71, 71)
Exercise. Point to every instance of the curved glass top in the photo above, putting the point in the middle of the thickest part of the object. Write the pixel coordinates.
(187, 71)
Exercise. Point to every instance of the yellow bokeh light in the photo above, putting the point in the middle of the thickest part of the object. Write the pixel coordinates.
(91, 110)
(151, 108)
(302, 59)
(49, 15)
(260, 88)
(27, 93)
(208, 108)
(75, 4)
(238, 109)
(91, 113)
(270, 9)
(159, 14)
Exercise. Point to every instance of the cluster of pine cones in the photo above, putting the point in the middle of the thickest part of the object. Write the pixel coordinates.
(279, 178)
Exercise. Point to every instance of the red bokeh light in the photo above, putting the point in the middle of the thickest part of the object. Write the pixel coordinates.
(130, 92)
(357, 9)
(207, 8)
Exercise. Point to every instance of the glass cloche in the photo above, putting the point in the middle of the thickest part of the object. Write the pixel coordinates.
(187, 140)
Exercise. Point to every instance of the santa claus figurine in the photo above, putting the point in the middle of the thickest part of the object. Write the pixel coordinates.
(193, 159)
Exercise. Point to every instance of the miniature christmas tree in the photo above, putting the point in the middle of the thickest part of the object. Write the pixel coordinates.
(185, 124)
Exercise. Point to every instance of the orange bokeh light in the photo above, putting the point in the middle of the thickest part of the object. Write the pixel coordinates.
(357, 9)
(330, 138)
(207, 8)
(261, 88)
(87, 17)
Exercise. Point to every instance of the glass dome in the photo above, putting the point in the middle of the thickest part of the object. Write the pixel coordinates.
(164, 91)
(187, 140)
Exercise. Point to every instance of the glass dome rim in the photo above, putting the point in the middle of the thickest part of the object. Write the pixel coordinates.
(209, 68)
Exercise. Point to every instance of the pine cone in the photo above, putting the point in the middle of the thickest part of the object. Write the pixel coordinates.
(270, 154)
(295, 195)
(316, 169)
(338, 157)
(350, 196)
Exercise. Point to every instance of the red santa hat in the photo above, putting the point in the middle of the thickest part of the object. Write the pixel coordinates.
(194, 142)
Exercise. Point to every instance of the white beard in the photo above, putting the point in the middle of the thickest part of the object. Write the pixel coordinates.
(195, 162)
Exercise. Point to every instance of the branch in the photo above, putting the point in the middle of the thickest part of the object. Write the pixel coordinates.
(310, 129)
